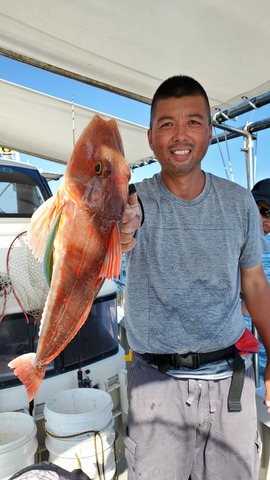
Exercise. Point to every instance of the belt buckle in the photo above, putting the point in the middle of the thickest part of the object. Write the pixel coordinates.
(189, 360)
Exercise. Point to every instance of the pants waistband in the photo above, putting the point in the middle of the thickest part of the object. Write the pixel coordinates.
(165, 362)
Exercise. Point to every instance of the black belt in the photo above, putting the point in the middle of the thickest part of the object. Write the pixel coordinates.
(165, 362)
(189, 360)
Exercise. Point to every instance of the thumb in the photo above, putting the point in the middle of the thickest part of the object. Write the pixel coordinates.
(132, 198)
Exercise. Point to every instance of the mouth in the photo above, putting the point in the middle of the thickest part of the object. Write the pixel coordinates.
(181, 153)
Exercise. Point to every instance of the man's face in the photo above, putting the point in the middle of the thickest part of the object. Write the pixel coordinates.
(180, 133)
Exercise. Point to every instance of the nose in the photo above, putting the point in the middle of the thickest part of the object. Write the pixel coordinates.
(179, 132)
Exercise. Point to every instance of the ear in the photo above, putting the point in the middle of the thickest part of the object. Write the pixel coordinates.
(210, 134)
(149, 135)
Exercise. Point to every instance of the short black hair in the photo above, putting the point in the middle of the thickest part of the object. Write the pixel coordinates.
(179, 86)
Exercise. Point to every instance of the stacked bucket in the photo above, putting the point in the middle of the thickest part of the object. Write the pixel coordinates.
(18, 442)
(80, 433)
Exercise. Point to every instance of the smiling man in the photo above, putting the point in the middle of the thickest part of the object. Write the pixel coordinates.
(192, 411)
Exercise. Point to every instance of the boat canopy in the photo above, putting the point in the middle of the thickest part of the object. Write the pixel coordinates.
(130, 48)
(41, 125)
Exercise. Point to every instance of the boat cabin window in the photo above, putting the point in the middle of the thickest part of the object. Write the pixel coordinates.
(20, 193)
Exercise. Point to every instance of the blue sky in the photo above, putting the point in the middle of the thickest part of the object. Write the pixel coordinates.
(228, 153)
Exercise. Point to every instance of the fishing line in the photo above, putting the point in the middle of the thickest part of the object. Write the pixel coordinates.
(73, 122)
(79, 372)
(221, 154)
(229, 157)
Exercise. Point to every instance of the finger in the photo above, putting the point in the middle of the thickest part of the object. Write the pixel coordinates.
(131, 225)
(126, 247)
(128, 215)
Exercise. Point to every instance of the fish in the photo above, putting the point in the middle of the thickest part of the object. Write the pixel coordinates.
(76, 234)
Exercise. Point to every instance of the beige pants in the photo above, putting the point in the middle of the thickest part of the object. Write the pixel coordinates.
(180, 429)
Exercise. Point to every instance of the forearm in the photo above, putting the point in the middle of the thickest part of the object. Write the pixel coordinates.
(258, 304)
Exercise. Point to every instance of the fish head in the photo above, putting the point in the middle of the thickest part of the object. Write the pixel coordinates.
(97, 174)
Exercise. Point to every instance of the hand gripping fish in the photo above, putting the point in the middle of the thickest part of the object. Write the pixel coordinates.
(77, 235)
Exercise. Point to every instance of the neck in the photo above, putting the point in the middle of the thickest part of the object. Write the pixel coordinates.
(186, 187)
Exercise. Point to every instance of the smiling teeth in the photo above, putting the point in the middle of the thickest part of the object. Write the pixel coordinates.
(181, 152)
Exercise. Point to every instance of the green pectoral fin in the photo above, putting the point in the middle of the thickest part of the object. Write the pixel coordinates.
(48, 256)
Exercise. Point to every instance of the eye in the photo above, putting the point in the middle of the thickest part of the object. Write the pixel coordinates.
(166, 124)
(98, 168)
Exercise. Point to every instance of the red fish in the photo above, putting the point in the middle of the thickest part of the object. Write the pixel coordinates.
(76, 234)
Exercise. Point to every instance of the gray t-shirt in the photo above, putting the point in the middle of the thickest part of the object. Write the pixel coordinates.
(183, 277)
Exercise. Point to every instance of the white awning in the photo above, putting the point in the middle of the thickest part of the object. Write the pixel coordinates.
(40, 125)
(132, 46)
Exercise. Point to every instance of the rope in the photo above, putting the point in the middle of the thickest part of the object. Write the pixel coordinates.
(78, 461)
(97, 435)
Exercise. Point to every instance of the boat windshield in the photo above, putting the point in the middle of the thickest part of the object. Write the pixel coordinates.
(21, 191)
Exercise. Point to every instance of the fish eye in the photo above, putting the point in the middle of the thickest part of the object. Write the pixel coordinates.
(98, 168)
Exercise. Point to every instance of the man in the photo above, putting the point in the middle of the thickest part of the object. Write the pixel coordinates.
(192, 411)
(261, 194)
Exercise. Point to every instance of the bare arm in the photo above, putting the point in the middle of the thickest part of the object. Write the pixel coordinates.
(256, 294)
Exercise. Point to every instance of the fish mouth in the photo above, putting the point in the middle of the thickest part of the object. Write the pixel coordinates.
(115, 206)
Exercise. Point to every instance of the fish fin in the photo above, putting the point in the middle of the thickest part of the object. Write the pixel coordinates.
(26, 370)
(48, 254)
(111, 266)
(41, 224)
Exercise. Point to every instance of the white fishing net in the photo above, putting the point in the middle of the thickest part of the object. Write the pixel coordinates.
(26, 277)
(5, 289)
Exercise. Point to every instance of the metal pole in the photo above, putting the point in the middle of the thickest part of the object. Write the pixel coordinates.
(250, 181)
(249, 160)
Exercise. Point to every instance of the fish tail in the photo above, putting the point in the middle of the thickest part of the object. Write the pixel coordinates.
(25, 368)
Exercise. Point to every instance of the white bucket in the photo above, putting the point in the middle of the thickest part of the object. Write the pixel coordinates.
(77, 410)
(89, 452)
(74, 412)
(18, 443)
